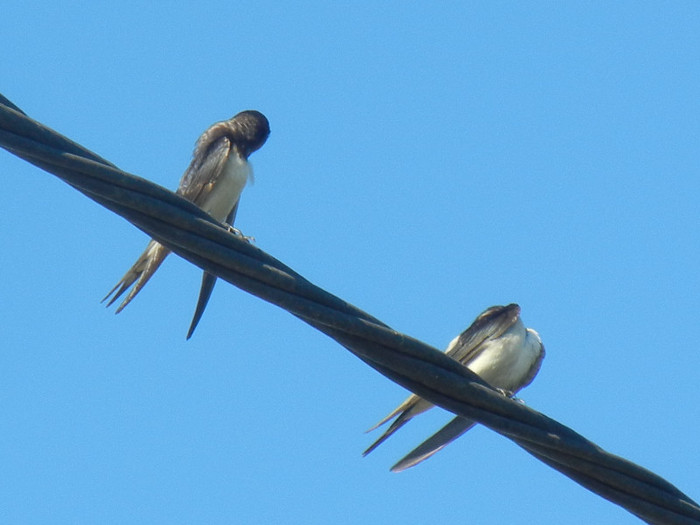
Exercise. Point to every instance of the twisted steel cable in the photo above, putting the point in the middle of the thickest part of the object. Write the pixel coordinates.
(192, 234)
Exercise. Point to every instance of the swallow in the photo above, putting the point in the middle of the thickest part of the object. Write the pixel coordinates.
(214, 180)
(499, 349)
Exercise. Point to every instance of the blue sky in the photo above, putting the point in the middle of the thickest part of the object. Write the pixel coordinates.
(425, 162)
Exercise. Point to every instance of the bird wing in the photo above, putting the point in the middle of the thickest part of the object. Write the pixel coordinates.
(491, 324)
(208, 282)
(205, 169)
(443, 437)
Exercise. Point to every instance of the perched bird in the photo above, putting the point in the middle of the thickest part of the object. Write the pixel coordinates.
(498, 348)
(213, 181)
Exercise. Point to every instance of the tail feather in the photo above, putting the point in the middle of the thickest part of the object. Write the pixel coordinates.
(409, 409)
(408, 403)
(392, 415)
(400, 421)
(142, 270)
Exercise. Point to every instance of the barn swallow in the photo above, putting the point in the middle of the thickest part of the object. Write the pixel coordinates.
(213, 181)
(499, 349)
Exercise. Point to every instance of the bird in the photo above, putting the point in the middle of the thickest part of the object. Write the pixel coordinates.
(498, 348)
(214, 180)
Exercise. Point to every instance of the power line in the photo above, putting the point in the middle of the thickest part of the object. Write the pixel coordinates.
(195, 236)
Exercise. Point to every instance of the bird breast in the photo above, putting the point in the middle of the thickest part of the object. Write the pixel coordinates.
(228, 187)
(506, 361)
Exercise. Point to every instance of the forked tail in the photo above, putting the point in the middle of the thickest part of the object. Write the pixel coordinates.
(141, 272)
(400, 421)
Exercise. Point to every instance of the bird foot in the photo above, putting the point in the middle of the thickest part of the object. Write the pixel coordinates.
(506, 393)
(239, 233)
